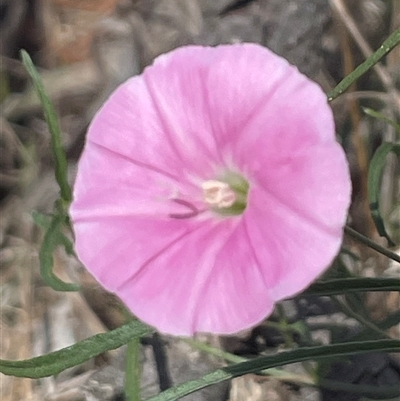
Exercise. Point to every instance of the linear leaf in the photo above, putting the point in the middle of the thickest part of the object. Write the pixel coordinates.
(379, 392)
(279, 359)
(56, 362)
(44, 223)
(52, 239)
(371, 244)
(51, 118)
(342, 286)
(374, 177)
(390, 43)
(382, 117)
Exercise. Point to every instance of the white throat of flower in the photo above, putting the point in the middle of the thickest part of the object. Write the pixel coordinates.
(226, 196)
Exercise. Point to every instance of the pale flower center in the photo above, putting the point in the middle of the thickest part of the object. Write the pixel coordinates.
(218, 194)
(226, 196)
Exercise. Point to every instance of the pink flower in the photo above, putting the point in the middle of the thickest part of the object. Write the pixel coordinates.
(211, 187)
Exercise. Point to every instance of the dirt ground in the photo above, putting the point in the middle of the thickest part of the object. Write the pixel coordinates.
(84, 49)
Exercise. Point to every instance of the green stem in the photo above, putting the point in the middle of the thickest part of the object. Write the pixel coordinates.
(281, 327)
(279, 359)
(284, 327)
(351, 313)
(132, 372)
(392, 41)
(227, 356)
(52, 239)
(371, 244)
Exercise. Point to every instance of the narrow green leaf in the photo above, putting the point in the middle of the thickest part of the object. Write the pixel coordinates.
(279, 359)
(379, 392)
(371, 244)
(41, 220)
(374, 399)
(374, 177)
(52, 239)
(390, 43)
(44, 223)
(382, 117)
(343, 286)
(51, 118)
(56, 362)
(132, 372)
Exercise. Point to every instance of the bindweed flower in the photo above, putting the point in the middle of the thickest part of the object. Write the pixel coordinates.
(211, 187)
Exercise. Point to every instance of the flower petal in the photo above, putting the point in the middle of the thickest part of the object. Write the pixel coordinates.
(159, 119)
(222, 291)
(292, 115)
(295, 220)
(140, 191)
(235, 297)
(244, 79)
(313, 182)
(114, 249)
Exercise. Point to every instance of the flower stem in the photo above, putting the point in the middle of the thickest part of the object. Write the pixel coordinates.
(351, 313)
(392, 41)
(276, 373)
(283, 327)
(371, 244)
(132, 372)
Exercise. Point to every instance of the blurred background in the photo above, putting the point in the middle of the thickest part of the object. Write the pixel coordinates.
(84, 49)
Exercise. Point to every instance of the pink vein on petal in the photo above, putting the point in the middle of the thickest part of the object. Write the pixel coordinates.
(136, 162)
(331, 231)
(206, 99)
(259, 268)
(206, 285)
(164, 123)
(140, 270)
(266, 98)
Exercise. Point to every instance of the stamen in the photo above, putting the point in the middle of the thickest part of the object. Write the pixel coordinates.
(218, 194)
